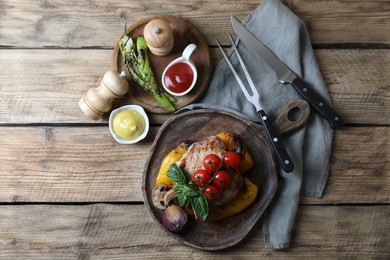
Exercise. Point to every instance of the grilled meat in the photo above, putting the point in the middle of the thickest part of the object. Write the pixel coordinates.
(192, 160)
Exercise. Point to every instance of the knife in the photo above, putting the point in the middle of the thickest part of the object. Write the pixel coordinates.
(285, 75)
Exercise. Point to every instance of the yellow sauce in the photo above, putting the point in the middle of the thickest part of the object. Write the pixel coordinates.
(128, 124)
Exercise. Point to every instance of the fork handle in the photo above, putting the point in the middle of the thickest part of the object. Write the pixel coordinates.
(279, 149)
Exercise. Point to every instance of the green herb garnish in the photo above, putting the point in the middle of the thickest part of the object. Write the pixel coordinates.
(188, 192)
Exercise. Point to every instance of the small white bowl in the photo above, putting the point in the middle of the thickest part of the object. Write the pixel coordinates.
(184, 58)
(140, 110)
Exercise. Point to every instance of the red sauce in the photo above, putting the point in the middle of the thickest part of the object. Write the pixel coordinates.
(178, 78)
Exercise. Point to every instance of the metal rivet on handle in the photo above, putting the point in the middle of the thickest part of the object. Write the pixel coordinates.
(275, 139)
(286, 162)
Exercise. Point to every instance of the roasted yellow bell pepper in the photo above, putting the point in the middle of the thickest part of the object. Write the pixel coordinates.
(246, 160)
(174, 156)
(230, 140)
(243, 199)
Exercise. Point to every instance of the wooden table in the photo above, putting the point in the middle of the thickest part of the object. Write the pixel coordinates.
(69, 191)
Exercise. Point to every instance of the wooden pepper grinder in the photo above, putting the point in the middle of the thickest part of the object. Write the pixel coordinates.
(159, 37)
(99, 100)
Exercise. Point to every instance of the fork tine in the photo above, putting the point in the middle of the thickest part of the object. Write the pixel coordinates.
(248, 77)
(243, 88)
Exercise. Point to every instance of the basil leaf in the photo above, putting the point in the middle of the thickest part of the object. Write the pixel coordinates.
(178, 188)
(184, 200)
(176, 174)
(192, 185)
(189, 191)
(185, 190)
(200, 206)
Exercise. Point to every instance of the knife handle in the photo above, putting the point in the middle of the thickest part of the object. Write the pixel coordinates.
(335, 120)
(279, 149)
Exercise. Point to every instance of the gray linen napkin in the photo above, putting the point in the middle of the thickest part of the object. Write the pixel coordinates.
(286, 35)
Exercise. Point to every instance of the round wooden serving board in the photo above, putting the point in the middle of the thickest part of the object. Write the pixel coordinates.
(199, 124)
(184, 33)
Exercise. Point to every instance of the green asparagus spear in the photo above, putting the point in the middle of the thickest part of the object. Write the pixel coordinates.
(137, 63)
(142, 50)
(129, 56)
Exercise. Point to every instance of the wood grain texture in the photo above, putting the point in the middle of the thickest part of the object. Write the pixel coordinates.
(68, 191)
(328, 20)
(107, 231)
(72, 163)
(45, 86)
(85, 164)
(90, 23)
(360, 167)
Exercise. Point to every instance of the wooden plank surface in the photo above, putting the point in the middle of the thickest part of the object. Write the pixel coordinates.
(68, 191)
(79, 24)
(84, 164)
(107, 231)
(343, 22)
(44, 86)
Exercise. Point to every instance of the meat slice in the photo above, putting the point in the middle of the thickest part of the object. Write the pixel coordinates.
(228, 193)
(192, 160)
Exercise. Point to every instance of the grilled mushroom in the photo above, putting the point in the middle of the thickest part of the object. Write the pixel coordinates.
(170, 195)
(161, 197)
(158, 194)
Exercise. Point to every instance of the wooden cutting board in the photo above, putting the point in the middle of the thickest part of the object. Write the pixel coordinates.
(184, 33)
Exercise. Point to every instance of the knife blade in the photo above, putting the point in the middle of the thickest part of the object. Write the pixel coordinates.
(286, 76)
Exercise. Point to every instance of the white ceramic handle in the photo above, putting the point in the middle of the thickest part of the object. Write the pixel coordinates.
(188, 51)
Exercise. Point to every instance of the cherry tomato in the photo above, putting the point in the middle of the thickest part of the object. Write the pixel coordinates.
(232, 160)
(212, 162)
(222, 179)
(201, 177)
(210, 192)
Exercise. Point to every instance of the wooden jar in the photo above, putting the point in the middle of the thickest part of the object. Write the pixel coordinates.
(159, 37)
(99, 100)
